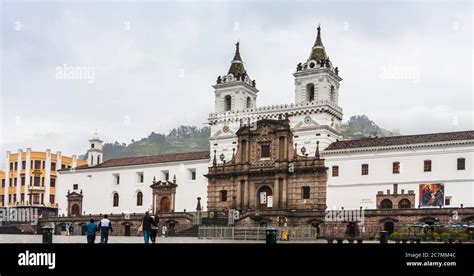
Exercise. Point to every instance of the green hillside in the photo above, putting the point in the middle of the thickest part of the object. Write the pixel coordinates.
(191, 138)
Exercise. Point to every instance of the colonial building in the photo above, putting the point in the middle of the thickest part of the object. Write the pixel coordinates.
(267, 158)
(30, 177)
(126, 185)
(266, 172)
(439, 164)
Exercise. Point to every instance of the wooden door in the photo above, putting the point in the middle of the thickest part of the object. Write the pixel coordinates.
(165, 204)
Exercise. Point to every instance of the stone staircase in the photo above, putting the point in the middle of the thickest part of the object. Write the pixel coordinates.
(10, 229)
(215, 221)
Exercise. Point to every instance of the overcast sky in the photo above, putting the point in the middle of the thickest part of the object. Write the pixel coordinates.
(154, 64)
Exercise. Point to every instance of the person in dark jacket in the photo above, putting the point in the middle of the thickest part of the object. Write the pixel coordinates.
(154, 229)
(91, 229)
(147, 222)
(105, 226)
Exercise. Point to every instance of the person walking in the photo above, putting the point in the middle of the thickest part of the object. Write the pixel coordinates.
(154, 229)
(105, 226)
(66, 227)
(91, 229)
(164, 231)
(147, 223)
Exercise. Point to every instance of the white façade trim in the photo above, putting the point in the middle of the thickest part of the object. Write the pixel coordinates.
(401, 183)
(397, 147)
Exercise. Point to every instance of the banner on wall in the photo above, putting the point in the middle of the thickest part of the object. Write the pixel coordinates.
(269, 201)
(263, 197)
(431, 194)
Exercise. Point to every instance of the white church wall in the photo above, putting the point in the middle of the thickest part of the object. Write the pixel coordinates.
(98, 187)
(351, 189)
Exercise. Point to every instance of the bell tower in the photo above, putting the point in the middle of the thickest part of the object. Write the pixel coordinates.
(317, 80)
(94, 153)
(235, 91)
(317, 87)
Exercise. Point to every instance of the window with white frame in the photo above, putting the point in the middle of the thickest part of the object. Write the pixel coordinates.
(192, 174)
(447, 201)
(116, 178)
(140, 177)
(165, 175)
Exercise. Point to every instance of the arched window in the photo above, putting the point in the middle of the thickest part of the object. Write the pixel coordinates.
(116, 200)
(386, 204)
(427, 166)
(139, 199)
(98, 159)
(310, 92)
(227, 103)
(249, 102)
(332, 94)
(92, 160)
(404, 204)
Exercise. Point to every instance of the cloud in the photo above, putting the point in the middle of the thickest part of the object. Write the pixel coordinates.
(155, 62)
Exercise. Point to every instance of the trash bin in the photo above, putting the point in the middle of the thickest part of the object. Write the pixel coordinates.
(383, 236)
(47, 234)
(271, 236)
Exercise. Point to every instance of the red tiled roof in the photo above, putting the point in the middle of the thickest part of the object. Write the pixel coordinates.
(152, 159)
(403, 140)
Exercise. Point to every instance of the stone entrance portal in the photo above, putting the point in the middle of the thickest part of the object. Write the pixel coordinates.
(164, 193)
(74, 203)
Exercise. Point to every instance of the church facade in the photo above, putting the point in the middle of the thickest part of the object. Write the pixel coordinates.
(285, 157)
(266, 172)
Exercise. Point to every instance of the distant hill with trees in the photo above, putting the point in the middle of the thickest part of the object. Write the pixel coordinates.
(191, 138)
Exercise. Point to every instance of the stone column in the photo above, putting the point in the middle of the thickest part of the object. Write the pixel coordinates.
(153, 199)
(172, 196)
(246, 194)
(284, 194)
(252, 203)
(239, 194)
(276, 194)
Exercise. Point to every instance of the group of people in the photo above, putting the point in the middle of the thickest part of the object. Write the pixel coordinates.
(104, 227)
(149, 227)
(69, 229)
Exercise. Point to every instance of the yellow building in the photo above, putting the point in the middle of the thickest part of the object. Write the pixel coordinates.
(30, 177)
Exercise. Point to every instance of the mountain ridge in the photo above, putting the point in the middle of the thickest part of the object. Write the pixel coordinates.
(191, 138)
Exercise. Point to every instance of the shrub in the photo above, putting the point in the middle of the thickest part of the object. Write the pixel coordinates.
(436, 236)
(404, 236)
(464, 236)
(444, 236)
(455, 235)
(422, 235)
(394, 236)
